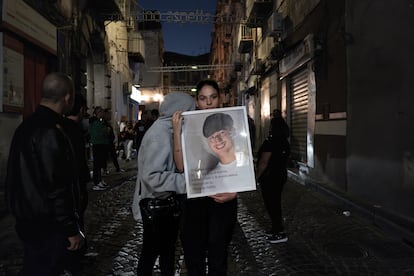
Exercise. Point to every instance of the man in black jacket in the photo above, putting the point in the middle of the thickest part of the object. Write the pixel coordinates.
(42, 189)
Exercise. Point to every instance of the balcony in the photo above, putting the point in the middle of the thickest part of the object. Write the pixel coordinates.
(136, 47)
(130, 23)
(151, 20)
(246, 39)
(258, 11)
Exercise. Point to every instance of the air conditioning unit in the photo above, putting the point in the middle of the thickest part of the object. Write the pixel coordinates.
(275, 24)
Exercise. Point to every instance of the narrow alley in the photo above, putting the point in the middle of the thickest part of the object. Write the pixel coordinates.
(322, 240)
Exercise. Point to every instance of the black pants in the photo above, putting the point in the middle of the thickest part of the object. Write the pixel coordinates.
(272, 187)
(113, 156)
(206, 232)
(50, 257)
(160, 236)
(100, 153)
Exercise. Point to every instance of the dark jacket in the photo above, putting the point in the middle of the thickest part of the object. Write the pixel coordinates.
(277, 143)
(42, 183)
(99, 132)
(74, 131)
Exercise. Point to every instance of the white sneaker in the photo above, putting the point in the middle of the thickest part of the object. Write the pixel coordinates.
(101, 186)
(98, 188)
(278, 238)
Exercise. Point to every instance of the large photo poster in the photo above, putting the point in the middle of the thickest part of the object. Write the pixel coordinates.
(217, 152)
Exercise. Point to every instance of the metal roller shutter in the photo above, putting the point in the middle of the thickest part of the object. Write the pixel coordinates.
(299, 115)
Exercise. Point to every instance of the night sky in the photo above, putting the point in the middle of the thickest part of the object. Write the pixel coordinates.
(188, 38)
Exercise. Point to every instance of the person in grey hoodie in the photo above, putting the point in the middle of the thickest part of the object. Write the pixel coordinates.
(156, 174)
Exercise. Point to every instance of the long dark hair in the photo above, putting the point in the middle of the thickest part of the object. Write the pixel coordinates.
(209, 82)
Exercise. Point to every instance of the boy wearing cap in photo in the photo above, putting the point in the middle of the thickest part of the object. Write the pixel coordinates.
(218, 129)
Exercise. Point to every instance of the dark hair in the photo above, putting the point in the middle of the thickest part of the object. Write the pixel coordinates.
(97, 110)
(277, 113)
(279, 128)
(209, 82)
(56, 85)
(217, 122)
(78, 103)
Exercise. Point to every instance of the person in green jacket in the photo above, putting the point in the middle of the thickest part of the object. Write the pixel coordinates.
(99, 133)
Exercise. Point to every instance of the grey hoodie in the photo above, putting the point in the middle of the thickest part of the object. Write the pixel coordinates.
(156, 168)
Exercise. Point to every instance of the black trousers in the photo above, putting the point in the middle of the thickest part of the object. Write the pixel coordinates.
(159, 238)
(206, 232)
(114, 157)
(100, 153)
(272, 187)
(50, 257)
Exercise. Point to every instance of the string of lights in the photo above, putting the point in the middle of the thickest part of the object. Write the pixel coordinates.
(187, 68)
(197, 16)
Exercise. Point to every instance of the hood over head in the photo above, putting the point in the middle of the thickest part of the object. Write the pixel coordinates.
(176, 101)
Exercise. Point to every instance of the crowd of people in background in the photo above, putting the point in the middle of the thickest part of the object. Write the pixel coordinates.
(130, 134)
(104, 143)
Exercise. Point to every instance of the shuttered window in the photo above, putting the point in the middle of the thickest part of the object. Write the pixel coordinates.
(299, 115)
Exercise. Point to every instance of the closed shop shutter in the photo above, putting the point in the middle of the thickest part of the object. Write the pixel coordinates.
(299, 115)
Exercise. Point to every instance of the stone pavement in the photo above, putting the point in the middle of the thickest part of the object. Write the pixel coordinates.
(322, 240)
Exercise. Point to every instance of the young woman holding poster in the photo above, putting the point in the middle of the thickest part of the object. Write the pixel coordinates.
(208, 222)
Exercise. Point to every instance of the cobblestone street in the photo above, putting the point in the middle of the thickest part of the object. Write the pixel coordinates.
(228, 99)
(322, 241)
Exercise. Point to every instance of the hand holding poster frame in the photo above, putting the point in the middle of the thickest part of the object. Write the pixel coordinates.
(216, 152)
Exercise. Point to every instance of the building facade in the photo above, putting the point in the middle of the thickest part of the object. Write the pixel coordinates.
(74, 37)
(340, 75)
(178, 75)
